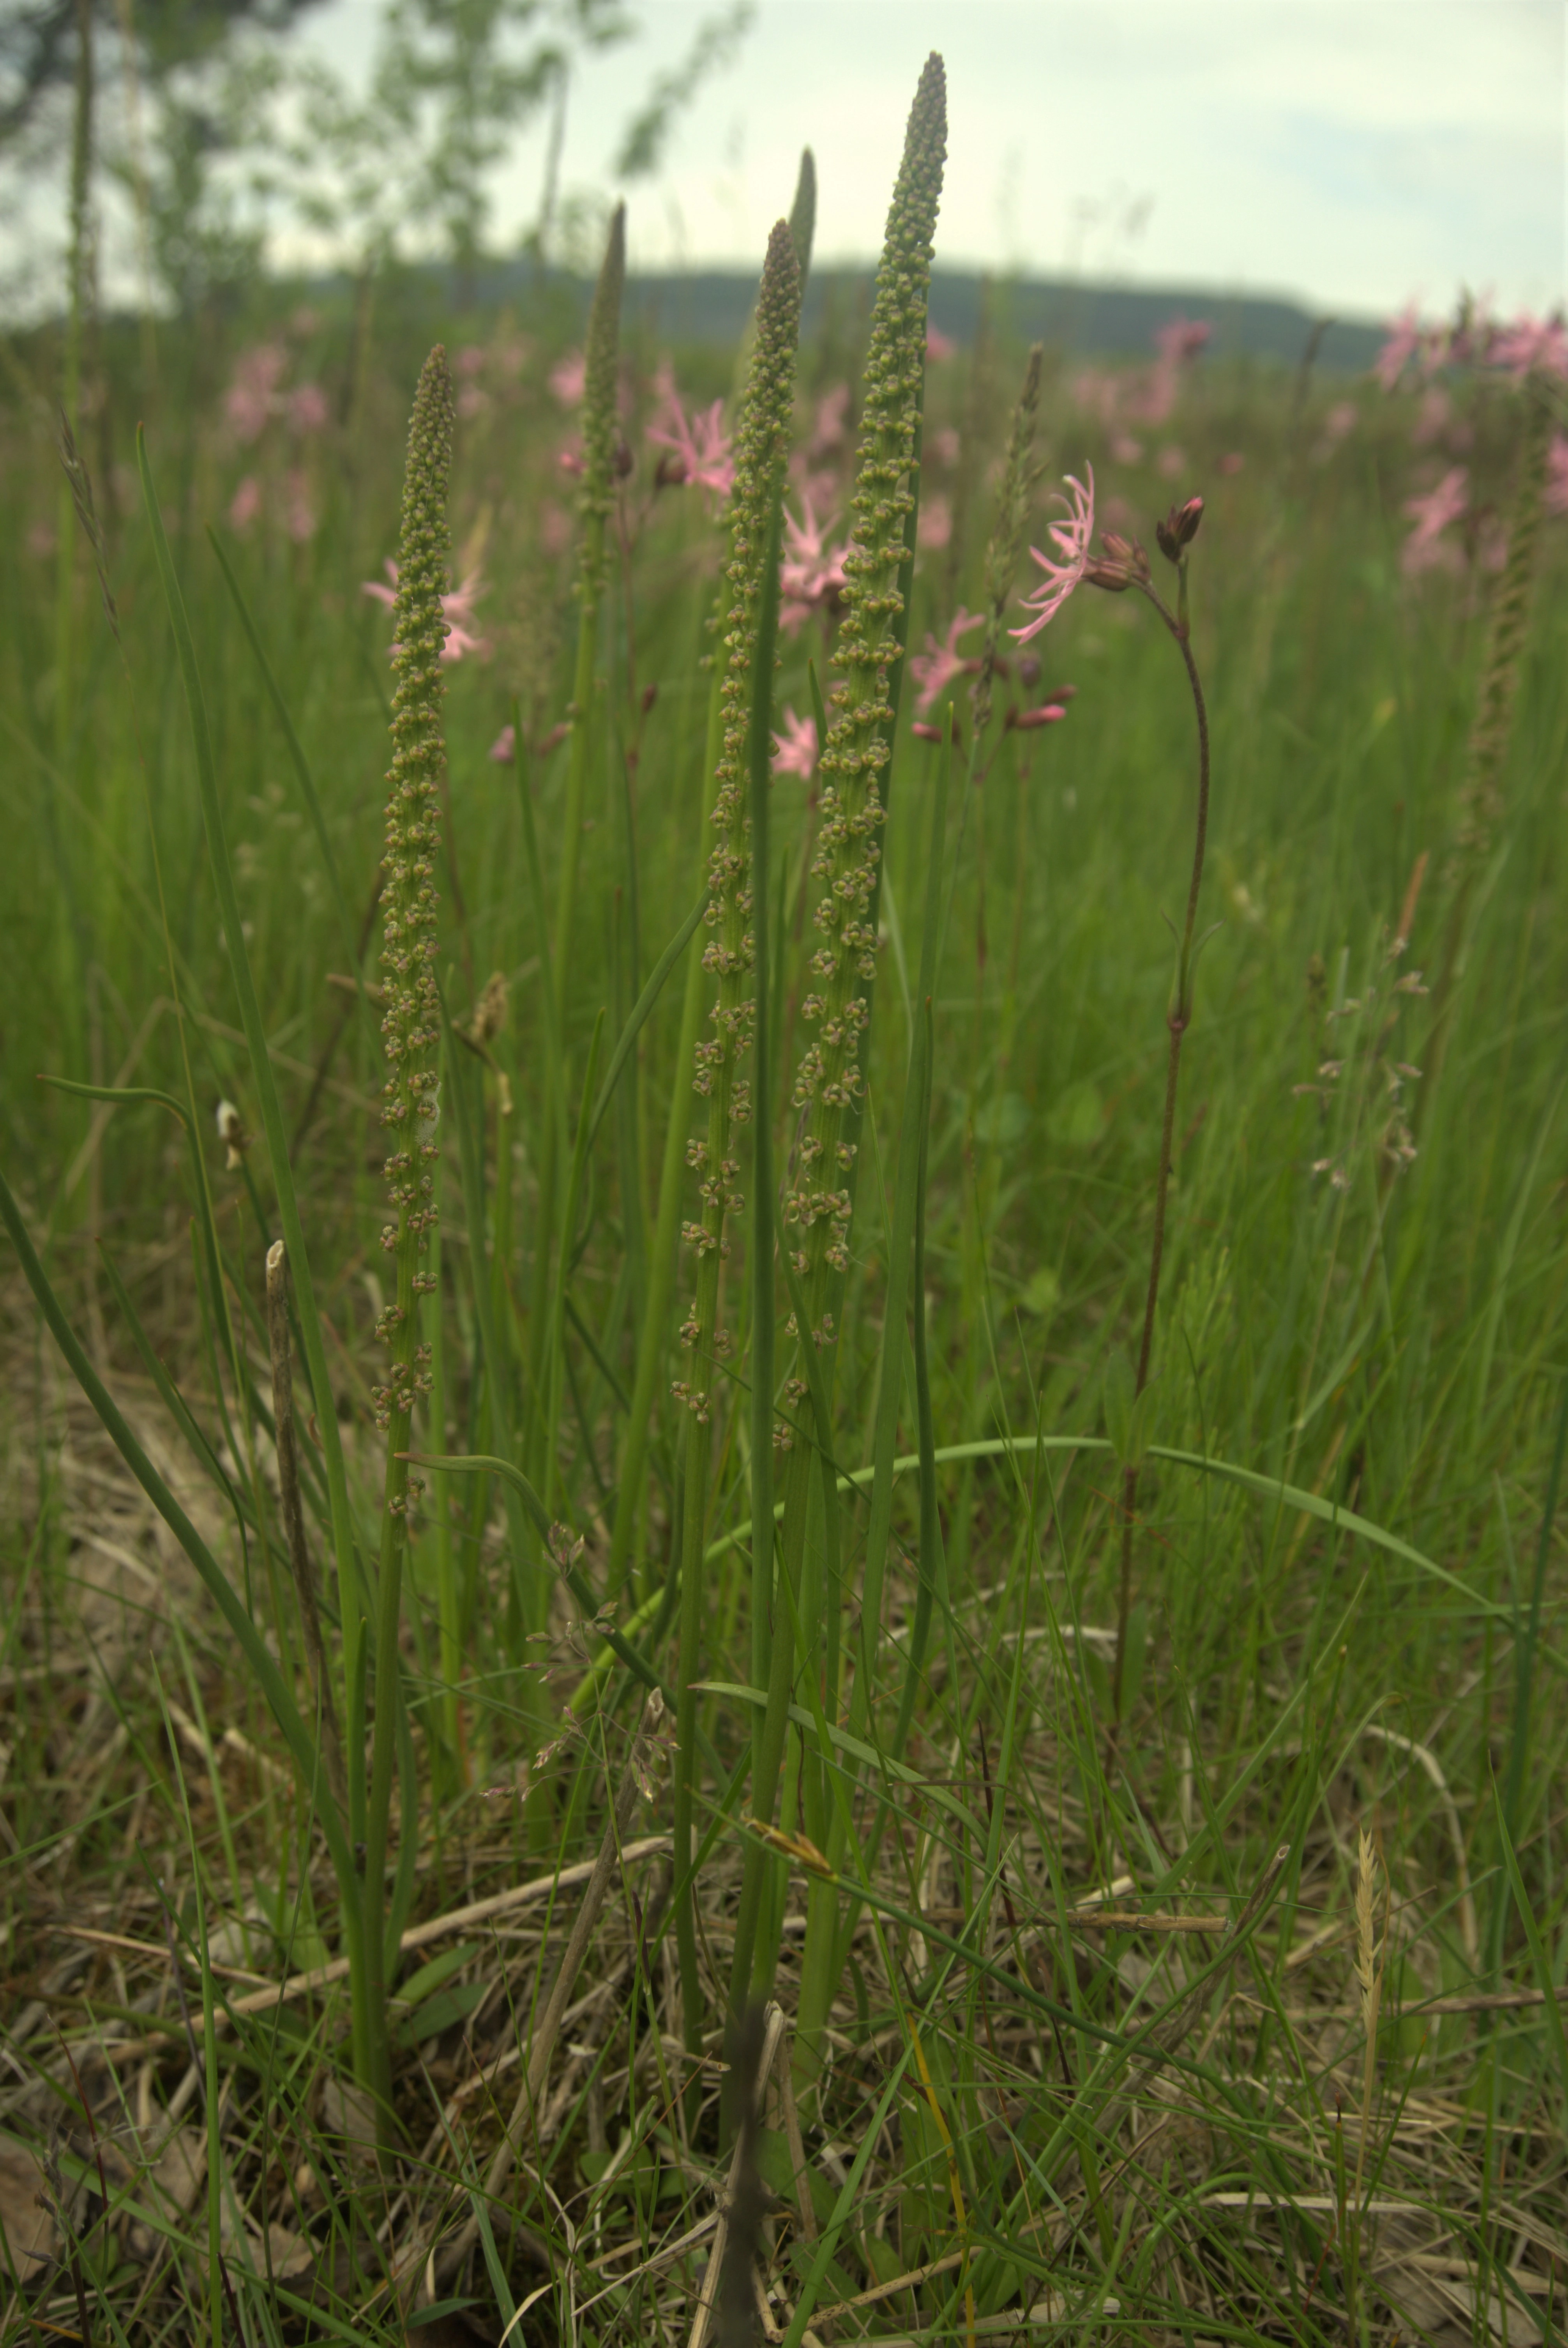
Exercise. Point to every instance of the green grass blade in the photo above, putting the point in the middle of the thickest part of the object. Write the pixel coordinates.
(639, 1011)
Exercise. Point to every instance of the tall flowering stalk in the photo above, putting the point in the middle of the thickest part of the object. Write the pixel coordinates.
(829, 1084)
(601, 457)
(761, 448)
(1481, 802)
(411, 1029)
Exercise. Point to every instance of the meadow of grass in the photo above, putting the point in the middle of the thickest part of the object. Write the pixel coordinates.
(1197, 1983)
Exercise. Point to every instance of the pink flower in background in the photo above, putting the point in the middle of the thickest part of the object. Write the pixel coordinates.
(245, 503)
(1170, 462)
(1047, 714)
(308, 409)
(1529, 347)
(1405, 339)
(701, 449)
(458, 609)
(811, 572)
(935, 527)
(299, 514)
(1556, 497)
(1337, 425)
(832, 421)
(1426, 548)
(938, 346)
(1125, 450)
(469, 361)
(945, 446)
(250, 399)
(935, 669)
(570, 459)
(795, 751)
(1099, 393)
(1431, 416)
(1182, 339)
(503, 749)
(1070, 539)
(1231, 463)
(566, 377)
(555, 527)
(473, 400)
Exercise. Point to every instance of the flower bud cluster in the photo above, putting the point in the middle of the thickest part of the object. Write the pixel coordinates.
(761, 448)
(411, 1026)
(829, 1080)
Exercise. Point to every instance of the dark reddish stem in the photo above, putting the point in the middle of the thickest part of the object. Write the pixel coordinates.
(1178, 1019)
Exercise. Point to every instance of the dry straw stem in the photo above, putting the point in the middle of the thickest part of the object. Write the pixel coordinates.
(1369, 1976)
(612, 1855)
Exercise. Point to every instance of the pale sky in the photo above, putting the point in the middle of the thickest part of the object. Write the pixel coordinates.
(1352, 156)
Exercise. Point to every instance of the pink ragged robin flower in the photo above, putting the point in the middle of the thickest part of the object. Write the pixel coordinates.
(1529, 347)
(1556, 495)
(567, 378)
(1070, 539)
(938, 346)
(811, 572)
(699, 450)
(935, 669)
(795, 751)
(1425, 548)
(1404, 340)
(457, 610)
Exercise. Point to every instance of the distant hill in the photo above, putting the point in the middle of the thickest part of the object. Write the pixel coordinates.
(713, 305)
(1091, 321)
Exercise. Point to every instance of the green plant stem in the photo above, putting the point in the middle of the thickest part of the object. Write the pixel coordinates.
(1178, 1019)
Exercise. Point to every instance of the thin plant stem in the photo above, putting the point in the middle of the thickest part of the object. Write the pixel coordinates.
(1180, 1020)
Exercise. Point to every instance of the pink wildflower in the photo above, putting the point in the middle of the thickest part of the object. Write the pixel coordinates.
(831, 413)
(567, 378)
(700, 449)
(469, 361)
(1404, 340)
(1556, 497)
(1231, 462)
(298, 514)
(1181, 339)
(794, 752)
(1530, 346)
(935, 528)
(308, 409)
(938, 346)
(1125, 450)
(457, 610)
(944, 446)
(1070, 539)
(1170, 462)
(473, 400)
(249, 401)
(811, 572)
(570, 459)
(555, 528)
(245, 504)
(503, 748)
(935, 669)
(1425, 548)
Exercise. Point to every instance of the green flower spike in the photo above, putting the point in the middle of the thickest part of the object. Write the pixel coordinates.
(762, 445)
(828, 1085)
(858, 746)
(412, 1029)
